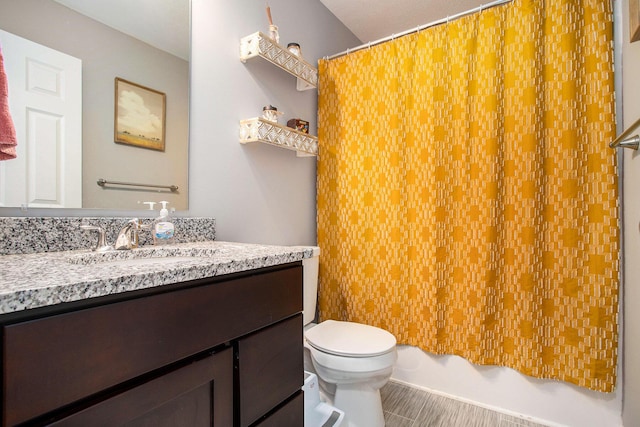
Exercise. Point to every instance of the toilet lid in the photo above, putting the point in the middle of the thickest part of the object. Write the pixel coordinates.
(350, 339)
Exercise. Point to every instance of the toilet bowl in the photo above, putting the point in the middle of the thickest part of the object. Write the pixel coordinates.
(352, 361)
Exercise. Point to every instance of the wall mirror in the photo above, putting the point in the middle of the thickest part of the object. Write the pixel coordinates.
(146, 42)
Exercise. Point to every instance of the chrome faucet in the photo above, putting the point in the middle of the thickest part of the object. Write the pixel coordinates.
(128, 236)
(101, 245)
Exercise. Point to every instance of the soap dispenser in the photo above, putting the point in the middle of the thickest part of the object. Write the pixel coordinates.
(151, 205)
(163, 229)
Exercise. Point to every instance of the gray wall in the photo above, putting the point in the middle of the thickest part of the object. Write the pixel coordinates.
(257, 193)
(107, 54)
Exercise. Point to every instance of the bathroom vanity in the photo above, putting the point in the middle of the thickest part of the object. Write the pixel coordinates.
(208, 341)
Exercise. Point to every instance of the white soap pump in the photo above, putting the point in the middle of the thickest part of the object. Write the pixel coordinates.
(151, 205)
(163, 228)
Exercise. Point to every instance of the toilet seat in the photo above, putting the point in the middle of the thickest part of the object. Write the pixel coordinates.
(350, 339)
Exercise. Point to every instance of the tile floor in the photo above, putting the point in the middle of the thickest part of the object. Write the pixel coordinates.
(410, 407)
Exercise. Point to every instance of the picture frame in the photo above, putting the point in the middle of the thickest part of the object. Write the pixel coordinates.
(634, 20)
(140, 115)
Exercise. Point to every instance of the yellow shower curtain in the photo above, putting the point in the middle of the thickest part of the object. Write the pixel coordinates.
(467, 199)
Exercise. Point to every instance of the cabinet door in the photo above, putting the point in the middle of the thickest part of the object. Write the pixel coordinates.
(291, 414)
(196, 395)
(270, 368)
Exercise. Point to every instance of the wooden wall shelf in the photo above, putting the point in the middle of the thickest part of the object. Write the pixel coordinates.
(259, 45)
(261, 130)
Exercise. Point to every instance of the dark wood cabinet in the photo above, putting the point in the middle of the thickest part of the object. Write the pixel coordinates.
(270, 367)
(225, 351)
(289, 414)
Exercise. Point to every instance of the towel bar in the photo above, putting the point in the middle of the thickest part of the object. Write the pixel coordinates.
(102, 182)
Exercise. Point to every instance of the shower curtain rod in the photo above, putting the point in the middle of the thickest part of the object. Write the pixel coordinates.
(623, 140)
(420, 28)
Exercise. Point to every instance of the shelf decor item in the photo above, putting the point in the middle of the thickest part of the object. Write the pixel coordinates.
(295, 49)
(270, 113)
(273, 29)
(299, 125)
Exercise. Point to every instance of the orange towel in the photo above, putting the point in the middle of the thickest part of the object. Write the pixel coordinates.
(8, 140)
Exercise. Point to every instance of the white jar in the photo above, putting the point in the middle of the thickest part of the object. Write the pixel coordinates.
(295, 49)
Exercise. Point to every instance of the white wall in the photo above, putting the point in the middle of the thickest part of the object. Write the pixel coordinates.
(631, 353)
(257, 193)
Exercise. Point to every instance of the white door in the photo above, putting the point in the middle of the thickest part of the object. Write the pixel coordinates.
(45, 100)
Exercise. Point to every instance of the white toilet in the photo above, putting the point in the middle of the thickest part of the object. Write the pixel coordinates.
(352, 361)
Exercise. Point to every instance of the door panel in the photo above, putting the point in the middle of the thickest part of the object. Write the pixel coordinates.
(45, 100)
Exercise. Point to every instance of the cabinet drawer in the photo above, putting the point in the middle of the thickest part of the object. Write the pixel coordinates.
(270, 368)
(197, 395)
(57, 360)
(291, 414)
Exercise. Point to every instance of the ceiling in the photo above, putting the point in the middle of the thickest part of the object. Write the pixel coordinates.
(163, 24)
(160, 23)
(371, 20)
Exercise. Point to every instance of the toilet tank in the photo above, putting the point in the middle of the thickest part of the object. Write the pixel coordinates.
(310, 286)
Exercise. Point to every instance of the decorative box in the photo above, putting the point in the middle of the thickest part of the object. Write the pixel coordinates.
(299, 125)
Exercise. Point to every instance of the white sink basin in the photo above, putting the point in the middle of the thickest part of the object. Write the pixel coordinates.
(143, 256)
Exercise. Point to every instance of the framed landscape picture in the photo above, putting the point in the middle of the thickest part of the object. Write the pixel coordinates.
(140, 115)
(634, 20)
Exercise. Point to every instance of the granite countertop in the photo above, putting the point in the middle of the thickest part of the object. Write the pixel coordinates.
(42, 279)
